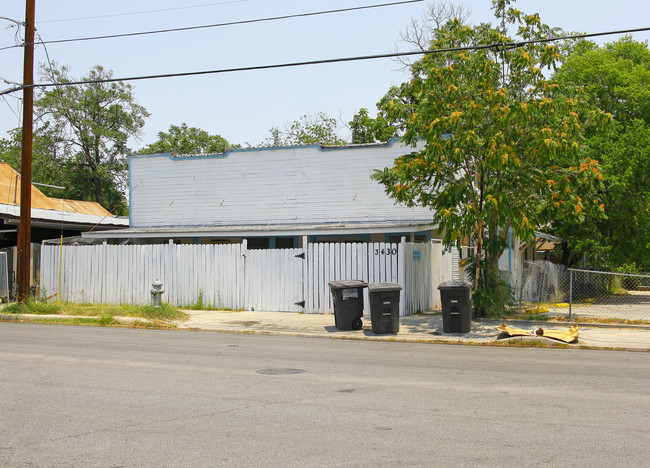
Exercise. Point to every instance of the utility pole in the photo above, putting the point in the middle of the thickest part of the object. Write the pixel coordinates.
(24, 232)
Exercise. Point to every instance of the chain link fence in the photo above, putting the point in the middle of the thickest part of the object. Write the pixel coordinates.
(602, 295)
(544, 287)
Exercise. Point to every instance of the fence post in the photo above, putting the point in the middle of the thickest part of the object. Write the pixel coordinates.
(570, 291)
(401, 275)
(305, 275)
(243, 288)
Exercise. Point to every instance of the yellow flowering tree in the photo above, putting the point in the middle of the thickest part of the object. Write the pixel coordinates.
(503, 144)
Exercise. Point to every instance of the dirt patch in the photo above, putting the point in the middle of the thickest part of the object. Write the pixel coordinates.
(245, 323)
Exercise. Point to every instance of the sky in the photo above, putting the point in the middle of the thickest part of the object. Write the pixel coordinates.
(243, 106)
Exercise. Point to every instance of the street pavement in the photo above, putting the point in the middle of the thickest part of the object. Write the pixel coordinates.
(426, 328)
(118, 397)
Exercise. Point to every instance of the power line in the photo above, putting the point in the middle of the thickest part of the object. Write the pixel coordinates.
(17, 25)
(495, 46)
(15, 112)
(143, 12)
(230, 23)
(11, 20)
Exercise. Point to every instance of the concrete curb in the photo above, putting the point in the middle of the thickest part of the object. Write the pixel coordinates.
(483, 336)
(45, 317)
(542, 324)
(447, 340)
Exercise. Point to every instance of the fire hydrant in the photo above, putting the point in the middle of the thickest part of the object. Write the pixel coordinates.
(156, 293)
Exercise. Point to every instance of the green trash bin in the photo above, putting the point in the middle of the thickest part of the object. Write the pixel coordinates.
(347, 296)
(456, 306)
(384, 307)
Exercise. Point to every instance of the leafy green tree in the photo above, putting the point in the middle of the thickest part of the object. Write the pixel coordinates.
(502, 144)
(309, 129)
(46, 162)
(89, 126)
(615, 77)
(366, 129)
(181, 139)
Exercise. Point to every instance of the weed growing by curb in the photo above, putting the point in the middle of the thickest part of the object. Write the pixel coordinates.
(164, 312)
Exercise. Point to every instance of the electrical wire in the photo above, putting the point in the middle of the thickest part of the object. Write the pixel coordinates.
(17, 25)
(47, 55)
(143, 12)
(17, 112)
(230, 23)
(494, 46)
(11, 20)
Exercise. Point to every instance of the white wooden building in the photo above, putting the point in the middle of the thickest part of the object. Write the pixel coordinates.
(270, 196)
(262, 228)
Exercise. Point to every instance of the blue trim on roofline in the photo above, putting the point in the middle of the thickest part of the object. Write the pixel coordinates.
(318, 146)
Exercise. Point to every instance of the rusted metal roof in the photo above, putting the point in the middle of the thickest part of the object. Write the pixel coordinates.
(10, 195)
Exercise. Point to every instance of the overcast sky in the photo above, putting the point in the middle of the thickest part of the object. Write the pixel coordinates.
(243, 106)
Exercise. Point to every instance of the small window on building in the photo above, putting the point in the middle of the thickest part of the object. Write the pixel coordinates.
(258, 243)
(340, 239)
(219, 241)
(396, 239)
(284, 242)
(420, 238)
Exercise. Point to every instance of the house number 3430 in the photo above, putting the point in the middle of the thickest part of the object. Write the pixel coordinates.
(385, 251)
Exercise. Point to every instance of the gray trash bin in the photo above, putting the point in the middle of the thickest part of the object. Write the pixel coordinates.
(384, 307)
(456, 306)
(348, 303)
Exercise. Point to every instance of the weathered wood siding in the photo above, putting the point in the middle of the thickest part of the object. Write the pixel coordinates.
(300, 185)
(231, 276)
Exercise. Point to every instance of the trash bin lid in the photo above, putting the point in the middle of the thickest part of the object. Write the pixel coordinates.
(346, 284)
(455, 285)
(380, 287)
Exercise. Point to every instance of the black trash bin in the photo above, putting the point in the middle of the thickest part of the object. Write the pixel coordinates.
(384, 307)
(456, 306)
(348, 303)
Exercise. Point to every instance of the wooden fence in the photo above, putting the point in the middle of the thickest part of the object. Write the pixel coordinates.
(232, 276)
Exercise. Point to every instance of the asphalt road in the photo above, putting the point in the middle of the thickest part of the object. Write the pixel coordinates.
(83, 397)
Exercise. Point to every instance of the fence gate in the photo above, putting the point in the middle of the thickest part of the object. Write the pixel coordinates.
(274, 280)
(369, 262)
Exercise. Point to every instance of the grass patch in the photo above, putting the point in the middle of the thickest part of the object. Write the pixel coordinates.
(198, 305)
(612, 321)
(164, 312)
(105, 321)
(201, 305)
(533, 315)
(520, 343)
(103, 311)
(31, 307)
(543, 317)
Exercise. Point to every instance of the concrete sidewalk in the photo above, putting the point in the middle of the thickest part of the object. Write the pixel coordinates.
(414, 329)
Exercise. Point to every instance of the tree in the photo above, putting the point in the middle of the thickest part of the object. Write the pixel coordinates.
(309, 129)
(181, 139)
(615, 76)
(46, 162)
(366, 129)
(420, 31)
(90, 125)
(502, 144)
